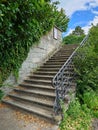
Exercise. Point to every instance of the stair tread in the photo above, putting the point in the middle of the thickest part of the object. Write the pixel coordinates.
(45, 72)
(33, 99)
(38, 80)
(57, 59)
(37, 85)
(33, 109)
(44, 76)
(51, 94)
(49, 68)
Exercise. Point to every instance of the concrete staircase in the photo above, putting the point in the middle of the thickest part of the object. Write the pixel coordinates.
(36, 94)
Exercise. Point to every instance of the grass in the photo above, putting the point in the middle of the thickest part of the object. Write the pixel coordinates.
(77, 117)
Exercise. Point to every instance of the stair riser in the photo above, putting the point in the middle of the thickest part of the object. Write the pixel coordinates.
(66, 50)
(41, 88)
(63, 53)
(52, 74)
(38, 88)
(35, 94)
(26, 101)
(37, 82)
(49, 69)
(60, 55)
(58, 59)
(20, 93)
(51, 66)
(54, 66)
(31, 112)
(54, 63)
(43, 73)
(46, 78)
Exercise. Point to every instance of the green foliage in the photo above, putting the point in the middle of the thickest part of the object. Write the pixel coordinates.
(61, 20)
(87, 69)
(81, 111)
(86, 64)
(1, 94)
(78, 31)
(77, 117)
(73, 39)
(74, 109)
(91, 100)
(22, 23)
(93, 38)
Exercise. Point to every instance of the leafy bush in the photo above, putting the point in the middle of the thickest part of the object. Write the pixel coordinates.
(93, 38)
(86, 65)
(1, 94)
(73, 39)
(22, 23)
(77, 117)
(87, 70)
(91, 100)
(80, 112)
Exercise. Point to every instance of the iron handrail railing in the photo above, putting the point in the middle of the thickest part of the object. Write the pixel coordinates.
(61, 81)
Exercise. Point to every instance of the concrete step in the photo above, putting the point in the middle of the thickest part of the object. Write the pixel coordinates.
(65, 51)
(51, 66)
(46, 73)
(33, 100)
(59, 57)
(49, 69)
(30, 108)
(36, 76)
(57, 60)
(55, 69)
(54, 63)
(36, 86)
(37, 92)
(38, 81)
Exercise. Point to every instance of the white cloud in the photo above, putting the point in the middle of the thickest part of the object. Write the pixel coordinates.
(85, 28)
(94, 22)
(95, 12)
(72, 6)
(69, 32)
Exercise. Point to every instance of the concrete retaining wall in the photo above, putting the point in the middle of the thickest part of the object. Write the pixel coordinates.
(36, 56)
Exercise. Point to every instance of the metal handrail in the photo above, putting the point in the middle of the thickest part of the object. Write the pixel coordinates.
(61, 81)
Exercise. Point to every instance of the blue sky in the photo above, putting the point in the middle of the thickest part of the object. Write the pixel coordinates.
(81, 13)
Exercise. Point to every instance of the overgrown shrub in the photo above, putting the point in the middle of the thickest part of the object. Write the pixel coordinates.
(77, 117)
(73, 39)
(22, 23)
(91, 100)
(87, 69)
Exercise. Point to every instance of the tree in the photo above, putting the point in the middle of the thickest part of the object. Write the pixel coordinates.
(78, 31)
(73, 39)
(61, 20)
(93, 38)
